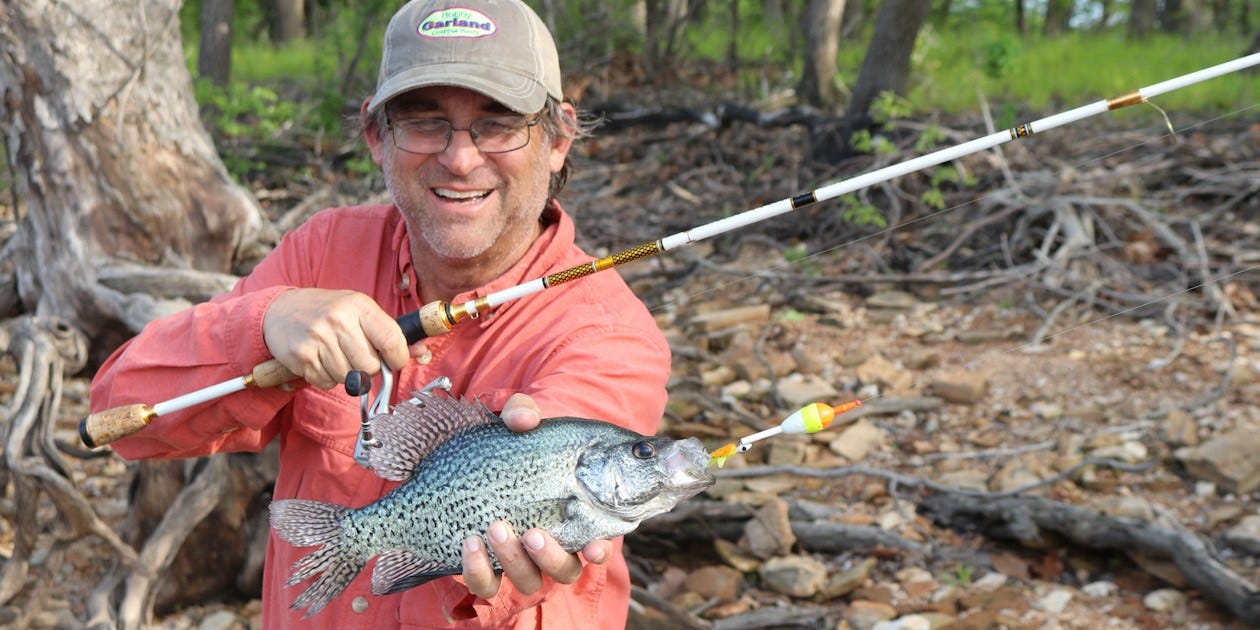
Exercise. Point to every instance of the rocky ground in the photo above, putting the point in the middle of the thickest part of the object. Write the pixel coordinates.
(1148, 421)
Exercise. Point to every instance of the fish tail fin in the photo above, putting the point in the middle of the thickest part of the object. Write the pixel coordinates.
(305, 523)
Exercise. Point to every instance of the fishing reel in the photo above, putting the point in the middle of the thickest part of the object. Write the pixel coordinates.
(358, 383)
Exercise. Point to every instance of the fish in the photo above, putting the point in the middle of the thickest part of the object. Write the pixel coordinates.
(462, 469)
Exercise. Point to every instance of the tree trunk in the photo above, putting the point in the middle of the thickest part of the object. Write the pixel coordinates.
(818, 77)
(1058, 17)
(1021, 23)
(119, 183)
(214, 58)
(886, 66)
(1141, 18)
(290, 24)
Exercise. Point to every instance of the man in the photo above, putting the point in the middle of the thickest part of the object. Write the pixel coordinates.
(472, 134)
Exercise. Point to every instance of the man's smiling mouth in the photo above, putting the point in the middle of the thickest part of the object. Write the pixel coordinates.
(460, 195)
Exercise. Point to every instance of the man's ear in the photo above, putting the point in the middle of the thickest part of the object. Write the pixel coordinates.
(371, 132)
(561, 144)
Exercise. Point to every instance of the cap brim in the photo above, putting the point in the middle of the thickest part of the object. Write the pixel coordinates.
(519, 93)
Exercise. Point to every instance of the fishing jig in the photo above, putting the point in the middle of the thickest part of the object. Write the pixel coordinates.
(808, 419)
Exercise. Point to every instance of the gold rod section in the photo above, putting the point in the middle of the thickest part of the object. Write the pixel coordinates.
(607, 262)
(1022, 131)
(1125, 100)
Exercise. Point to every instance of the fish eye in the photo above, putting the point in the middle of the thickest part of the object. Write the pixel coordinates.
(643, 450)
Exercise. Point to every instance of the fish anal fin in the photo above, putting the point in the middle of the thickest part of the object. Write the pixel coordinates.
(415, 427)
(399, 569)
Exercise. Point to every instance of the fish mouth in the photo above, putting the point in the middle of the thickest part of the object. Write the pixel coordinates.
(688, 466)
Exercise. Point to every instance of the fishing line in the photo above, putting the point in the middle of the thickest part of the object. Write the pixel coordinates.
(992, 357)
(946, 211)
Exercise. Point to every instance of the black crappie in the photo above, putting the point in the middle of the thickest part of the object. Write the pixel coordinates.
(580, 479)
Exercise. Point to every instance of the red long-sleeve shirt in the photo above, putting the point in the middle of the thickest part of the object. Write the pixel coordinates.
(586, 348)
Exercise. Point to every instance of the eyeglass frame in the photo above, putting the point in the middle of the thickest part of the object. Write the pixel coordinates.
(391, 125)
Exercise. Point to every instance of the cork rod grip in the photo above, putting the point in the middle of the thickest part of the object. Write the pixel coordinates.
(109, 425)
(269, 374)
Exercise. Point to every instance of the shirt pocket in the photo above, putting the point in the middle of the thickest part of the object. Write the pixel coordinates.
(329, 418)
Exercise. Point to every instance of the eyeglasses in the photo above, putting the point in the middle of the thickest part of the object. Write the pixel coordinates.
(428, 136)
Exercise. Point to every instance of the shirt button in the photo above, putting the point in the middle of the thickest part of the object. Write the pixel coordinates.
(405, 282)
(359, 604)
(425, 357)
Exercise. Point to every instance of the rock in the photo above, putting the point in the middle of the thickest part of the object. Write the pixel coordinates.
(1180, 429)
(1231, 460)
(1055, 601)
(961, 387)
(847, 581)
(1165, 570)
(796, 576)
(1047, 410)
(917, 582)
(1245, 535)
(1128, 507)
(1014, 474)
(772, 485)
(221, 620)
(990, 582)
(731, 554)
(865, 614)
(880, 371)
(728, 609)
(896, 300)
(769, 533)
(909, 622)
(1165, 600)
(798, 390)
(754, 316)
(1100, 589)
(717, 581)
(781, 363)
(672, 579)
(1128, 452)
(858, 440)
(787, 450)
(965, 480)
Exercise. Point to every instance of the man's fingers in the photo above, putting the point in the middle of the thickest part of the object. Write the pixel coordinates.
(386, 337)
(520, 413)
(551, 558)
(517, 565)
(479, 577)
(598, 551)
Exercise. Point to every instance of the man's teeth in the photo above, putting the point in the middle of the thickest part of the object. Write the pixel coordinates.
(460, 194)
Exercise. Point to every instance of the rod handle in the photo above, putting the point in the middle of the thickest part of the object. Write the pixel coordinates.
(109, 425)
(270, 373)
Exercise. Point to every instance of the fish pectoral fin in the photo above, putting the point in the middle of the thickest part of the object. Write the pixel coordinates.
(399, 570)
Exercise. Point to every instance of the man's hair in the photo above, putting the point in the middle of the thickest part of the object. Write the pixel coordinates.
(555, 123)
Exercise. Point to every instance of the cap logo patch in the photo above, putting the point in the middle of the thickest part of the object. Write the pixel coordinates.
(456, 23)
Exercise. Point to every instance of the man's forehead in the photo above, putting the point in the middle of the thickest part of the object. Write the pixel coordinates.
(440, 97)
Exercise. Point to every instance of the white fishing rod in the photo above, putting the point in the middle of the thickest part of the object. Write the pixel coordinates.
(438, 318)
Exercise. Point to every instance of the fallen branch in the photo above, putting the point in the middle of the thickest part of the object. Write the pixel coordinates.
(1027, 519)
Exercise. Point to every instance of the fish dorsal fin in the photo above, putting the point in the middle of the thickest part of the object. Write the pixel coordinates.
(415, 427)
(400, 569)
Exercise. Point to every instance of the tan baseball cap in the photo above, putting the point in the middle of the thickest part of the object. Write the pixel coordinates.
(500, 48)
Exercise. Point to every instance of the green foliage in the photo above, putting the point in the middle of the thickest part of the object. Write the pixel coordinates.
(1037, 75)
(791, 315)
(240, 116)
(860, 213)
(796, 252)
(962, 575)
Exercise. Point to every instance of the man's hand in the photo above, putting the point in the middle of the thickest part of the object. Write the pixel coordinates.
(321, 334)
(527, 558)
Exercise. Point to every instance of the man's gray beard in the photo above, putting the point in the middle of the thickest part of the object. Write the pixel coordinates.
(436, 238)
